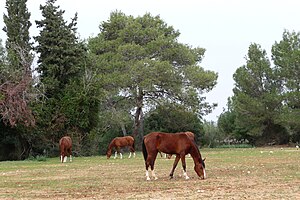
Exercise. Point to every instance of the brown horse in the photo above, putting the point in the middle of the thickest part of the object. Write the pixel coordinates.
(179, 144)
(65, 146)
(118, 143)
(191, 135)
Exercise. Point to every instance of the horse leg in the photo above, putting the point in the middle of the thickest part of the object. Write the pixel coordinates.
(131, 151)
(150, 161)
(174, 165)
(118, 151)
(184, 166)
(152, 166)
(65, 157)
(147, 164)
(62, 157)
(70, 153)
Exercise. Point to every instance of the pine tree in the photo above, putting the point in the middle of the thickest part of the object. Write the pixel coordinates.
(257, 100)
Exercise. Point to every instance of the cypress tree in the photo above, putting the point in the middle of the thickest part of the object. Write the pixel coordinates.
(17, 26)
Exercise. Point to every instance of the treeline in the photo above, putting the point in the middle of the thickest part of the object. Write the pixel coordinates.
(265, 107)
(132, 78)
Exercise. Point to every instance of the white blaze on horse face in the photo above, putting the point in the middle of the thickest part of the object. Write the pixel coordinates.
(121, 155)
(204, 174)
(116, 154)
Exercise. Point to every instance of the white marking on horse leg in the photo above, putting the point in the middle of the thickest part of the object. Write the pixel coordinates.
(61, 159)
(70, 158)
(134, 154)
(121, 155)
(65, 158)
(153, 174)
(204, 173)
(116, 155)
(147, 176)
(185, 175)
(129, 155)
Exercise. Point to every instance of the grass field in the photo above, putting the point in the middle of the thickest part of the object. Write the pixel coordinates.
(256, 173)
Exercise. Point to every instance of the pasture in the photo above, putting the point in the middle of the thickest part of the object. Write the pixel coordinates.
(256, 173)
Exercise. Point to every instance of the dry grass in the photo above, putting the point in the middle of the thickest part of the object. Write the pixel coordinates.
(232, 174)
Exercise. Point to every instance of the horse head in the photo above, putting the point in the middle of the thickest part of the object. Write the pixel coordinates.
(200, 168)
(108, 153)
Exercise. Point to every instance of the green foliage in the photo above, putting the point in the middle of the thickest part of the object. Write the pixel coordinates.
(141, 60)
(212, 134)
(17, 24)
(286, 57)
(257, 100)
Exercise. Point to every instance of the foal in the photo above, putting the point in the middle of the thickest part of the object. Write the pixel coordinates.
(179, 144)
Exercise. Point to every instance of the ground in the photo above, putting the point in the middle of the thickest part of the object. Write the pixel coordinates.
(253, 173)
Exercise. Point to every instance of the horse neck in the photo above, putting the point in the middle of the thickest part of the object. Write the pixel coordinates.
(111, 145)
(195, 153)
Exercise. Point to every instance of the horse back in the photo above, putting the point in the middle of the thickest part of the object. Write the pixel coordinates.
(168, 142)
(65, 142)
(124, 141)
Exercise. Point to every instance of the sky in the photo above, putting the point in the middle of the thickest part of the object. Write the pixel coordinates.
(225, 28)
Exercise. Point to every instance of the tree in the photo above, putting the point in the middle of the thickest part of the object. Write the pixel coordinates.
(142, 60)
(17, 26)
(71, 99)
(286, 57)
(17, 80)
(16, 91)
(256, 99)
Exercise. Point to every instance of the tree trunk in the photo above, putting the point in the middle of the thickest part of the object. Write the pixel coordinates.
(123, 128)
(138, 112)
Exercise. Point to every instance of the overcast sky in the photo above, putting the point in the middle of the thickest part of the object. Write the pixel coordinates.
(225, 28)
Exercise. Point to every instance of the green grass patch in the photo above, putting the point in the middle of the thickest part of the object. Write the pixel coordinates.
(240, 172)
(235, 146)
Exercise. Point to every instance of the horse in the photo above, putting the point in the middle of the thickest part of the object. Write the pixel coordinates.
(118, 143)
(65, 146)
(191, 135)
(179, 144)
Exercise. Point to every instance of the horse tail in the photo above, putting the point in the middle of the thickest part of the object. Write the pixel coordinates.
(145, 153)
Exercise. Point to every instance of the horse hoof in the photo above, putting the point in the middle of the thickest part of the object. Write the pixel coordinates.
(148, 179)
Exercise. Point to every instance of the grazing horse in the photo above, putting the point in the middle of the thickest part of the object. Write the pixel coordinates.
(118, 143)
(65, 146)
(179, 144)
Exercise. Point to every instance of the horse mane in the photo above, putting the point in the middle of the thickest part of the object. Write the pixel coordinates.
(111, 144)
(195, 152)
